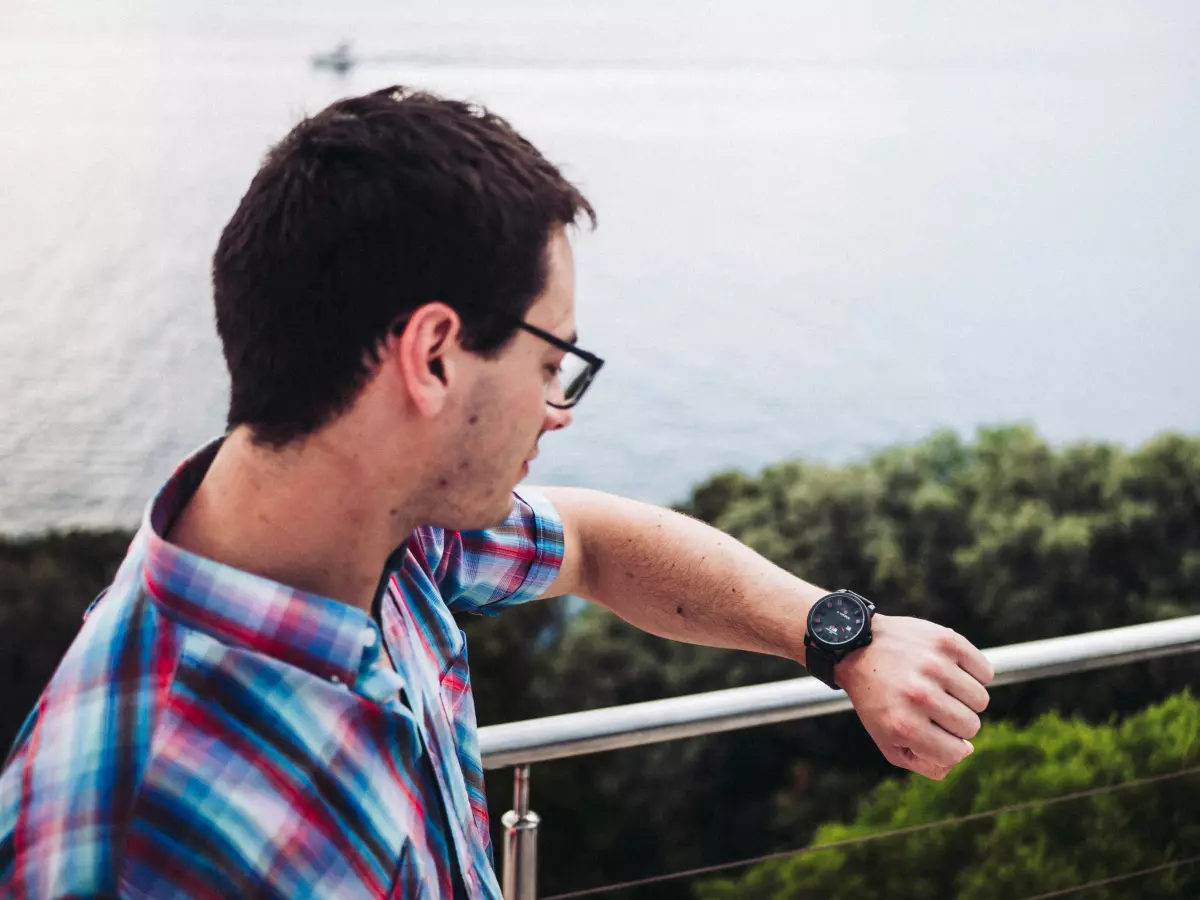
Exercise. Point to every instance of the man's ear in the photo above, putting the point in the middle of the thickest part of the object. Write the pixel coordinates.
(425, 354)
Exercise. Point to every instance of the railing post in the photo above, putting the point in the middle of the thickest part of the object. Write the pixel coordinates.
(520, 842)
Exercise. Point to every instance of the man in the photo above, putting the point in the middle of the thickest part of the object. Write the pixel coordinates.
(251, 709)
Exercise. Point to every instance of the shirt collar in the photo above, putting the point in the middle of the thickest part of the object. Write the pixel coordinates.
(315, 633)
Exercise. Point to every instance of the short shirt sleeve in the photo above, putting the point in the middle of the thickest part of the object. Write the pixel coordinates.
(486, 571)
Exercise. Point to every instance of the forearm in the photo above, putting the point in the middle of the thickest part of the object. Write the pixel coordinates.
(918, 688)
(679, 578)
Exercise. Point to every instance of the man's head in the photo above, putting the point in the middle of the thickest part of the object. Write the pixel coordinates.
(379, 265)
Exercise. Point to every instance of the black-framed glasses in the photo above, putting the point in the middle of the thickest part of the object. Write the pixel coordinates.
(575, 373)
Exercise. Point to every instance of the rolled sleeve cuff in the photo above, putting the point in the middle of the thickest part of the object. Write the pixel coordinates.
(548, 539)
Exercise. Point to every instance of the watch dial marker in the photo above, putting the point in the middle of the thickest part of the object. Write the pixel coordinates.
(847, 620)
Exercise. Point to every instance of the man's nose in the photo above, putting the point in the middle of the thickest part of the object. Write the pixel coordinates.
(556, 419)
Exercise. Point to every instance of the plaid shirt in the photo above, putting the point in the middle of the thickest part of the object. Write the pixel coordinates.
(211, 733)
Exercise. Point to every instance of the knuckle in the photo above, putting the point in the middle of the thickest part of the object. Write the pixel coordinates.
(916, 694)
(887, 724)
(902, 729)
(934, 668)
(948, 642)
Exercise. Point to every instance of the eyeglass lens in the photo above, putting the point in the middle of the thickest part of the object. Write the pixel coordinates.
(573, 376)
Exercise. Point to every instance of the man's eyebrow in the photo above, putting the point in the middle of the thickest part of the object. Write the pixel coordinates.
(574, 338)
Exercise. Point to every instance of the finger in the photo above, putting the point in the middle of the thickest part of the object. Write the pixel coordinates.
(933, 743)
(971, 659)
(906, 759)
(931, 700)
(963, 686)
(953, 715)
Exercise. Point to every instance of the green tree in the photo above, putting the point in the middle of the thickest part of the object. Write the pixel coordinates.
(46, 584)
(1022, 853)
(1005, 539)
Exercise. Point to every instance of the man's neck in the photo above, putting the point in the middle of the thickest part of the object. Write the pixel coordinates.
(305, 517)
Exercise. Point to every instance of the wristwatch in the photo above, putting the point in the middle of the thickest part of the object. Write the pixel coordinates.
(838, 624)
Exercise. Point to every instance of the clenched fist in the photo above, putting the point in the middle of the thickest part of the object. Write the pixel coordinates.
(918, 689)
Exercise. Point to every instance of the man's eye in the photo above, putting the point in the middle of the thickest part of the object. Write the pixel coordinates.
(552, 371)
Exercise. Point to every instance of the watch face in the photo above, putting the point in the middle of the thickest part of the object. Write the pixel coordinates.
(837, 619)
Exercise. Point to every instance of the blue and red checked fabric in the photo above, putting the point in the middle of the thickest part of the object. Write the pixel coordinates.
(211, 733)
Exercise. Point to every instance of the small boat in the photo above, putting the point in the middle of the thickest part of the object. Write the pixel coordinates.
(340, 59)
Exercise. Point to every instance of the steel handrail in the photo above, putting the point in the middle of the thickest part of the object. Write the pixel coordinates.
(576, 734)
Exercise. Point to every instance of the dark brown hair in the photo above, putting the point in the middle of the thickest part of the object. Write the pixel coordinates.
(363, 213)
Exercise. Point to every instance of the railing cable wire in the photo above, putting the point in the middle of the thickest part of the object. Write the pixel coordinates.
(1102, 881)
(908, 829)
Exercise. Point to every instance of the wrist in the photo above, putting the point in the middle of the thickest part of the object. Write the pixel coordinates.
(787, 635)
(857, 665)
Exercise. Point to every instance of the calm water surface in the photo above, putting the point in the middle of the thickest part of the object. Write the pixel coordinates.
(824, 228)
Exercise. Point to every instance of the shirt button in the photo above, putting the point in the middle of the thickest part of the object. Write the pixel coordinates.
(335, 679)
(368, 637)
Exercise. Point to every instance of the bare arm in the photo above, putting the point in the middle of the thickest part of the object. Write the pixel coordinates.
(677, 577)
(918, 688)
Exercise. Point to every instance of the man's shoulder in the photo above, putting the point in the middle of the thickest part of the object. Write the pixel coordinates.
(483, 570)
(119, 649)
(531, 520)
(71, 779)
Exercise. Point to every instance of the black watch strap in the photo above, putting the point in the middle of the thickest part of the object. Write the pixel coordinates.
(820, 663)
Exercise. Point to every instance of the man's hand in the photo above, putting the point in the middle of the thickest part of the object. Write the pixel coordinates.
(918, 689)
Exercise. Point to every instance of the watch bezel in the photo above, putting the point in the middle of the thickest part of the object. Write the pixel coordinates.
(863, 603)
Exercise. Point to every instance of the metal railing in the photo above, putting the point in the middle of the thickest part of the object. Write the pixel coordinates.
(576, 734)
